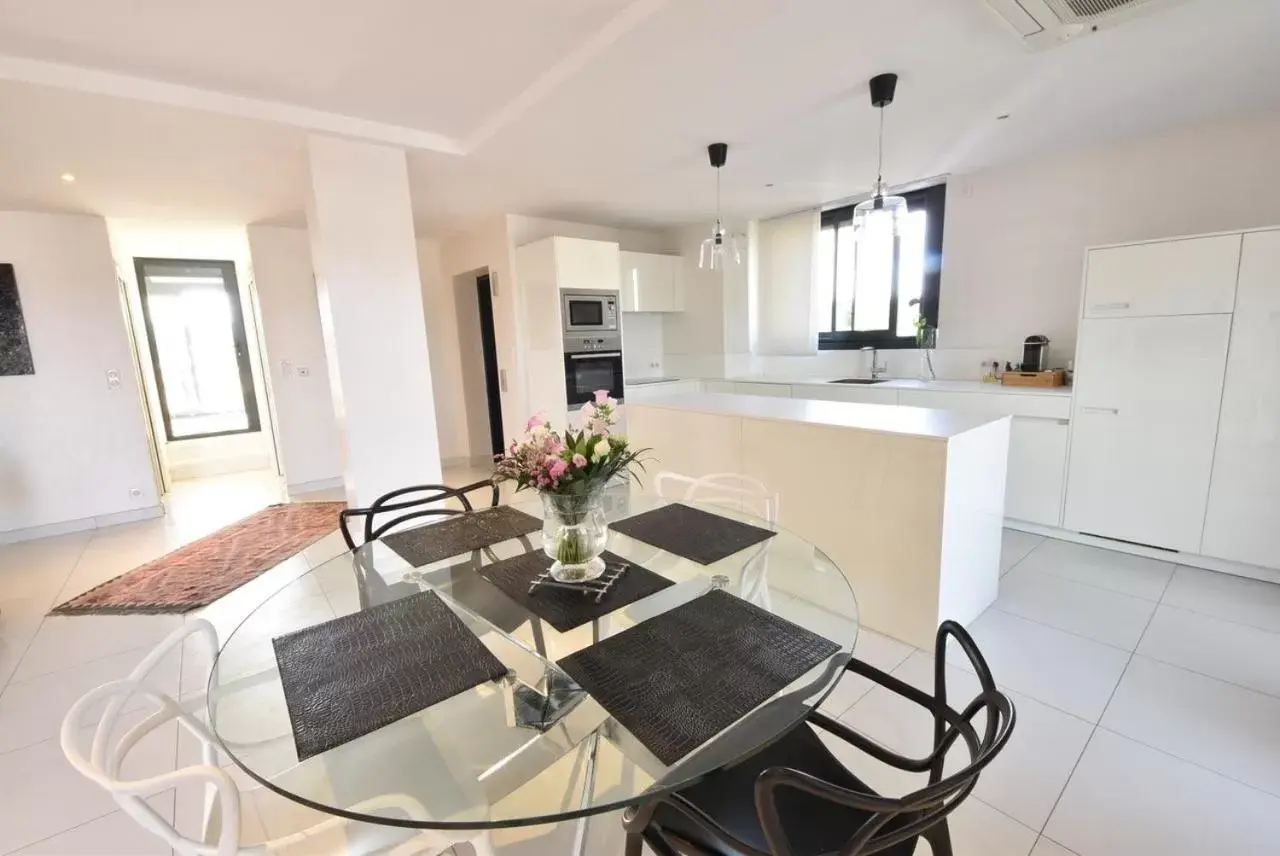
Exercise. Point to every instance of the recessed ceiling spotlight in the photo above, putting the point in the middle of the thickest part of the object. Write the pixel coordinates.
(1002, 117)
(68, 177)
(769, 184)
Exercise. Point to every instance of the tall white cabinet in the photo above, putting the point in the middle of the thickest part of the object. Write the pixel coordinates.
(1175, 438)
(1243, 519)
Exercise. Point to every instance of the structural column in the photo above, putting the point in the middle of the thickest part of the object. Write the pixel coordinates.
(366, 264)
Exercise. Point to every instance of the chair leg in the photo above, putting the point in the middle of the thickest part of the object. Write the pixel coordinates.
(939, 838)
(635, 844)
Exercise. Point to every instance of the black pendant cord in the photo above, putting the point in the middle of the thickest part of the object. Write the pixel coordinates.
(880, 159)
(718, 227)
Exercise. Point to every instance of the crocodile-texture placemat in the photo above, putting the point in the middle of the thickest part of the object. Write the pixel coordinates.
(691, 532)
(680, 678)
(565, 609)
(463, 533)
(347, 677)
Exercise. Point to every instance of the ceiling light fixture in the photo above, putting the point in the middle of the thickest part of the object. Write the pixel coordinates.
(68, 177)
(721, 245)
(881, 209)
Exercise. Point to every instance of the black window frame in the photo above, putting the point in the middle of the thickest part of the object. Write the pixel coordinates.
(141, 266)
(932, 199)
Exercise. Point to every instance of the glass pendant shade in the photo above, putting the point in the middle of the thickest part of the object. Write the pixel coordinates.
(880, 212)
(718, 250)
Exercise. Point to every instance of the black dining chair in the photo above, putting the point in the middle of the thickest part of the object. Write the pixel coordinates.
(794, 798)
(415, 502)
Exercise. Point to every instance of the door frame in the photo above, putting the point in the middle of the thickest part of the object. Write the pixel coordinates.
(239, 338)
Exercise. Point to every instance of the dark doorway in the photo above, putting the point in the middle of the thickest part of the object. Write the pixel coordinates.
(492, 383)
(199, 351)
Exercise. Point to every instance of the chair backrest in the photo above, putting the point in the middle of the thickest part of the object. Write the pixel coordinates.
(104, 759)
(731, 490)
(928, 806)
(410, 503)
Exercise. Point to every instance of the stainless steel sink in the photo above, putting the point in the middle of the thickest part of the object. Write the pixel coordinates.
(862, 381)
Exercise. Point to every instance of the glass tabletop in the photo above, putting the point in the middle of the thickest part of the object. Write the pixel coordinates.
(529, 748)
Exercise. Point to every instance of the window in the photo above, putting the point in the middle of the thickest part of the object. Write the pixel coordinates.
(869, 283)
(198, 347)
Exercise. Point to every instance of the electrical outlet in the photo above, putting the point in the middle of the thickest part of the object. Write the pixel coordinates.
(135, 491)
(303, 371)
(113, 379)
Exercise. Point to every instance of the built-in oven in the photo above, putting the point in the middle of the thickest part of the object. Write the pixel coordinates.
(592, 363)
(589, 311)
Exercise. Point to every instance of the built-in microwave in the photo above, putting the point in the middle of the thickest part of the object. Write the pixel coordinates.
(589, 311)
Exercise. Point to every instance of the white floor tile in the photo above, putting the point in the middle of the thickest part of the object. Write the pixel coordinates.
(874, 649)
(1132, 575)
(1028, 776)
(1107, 616)
(1045, 847)
(1225, 596)
(32, 710)
(116, 834)
(1221, 726)
(1060, 669)
(977, 829)
(44, 795)
(1220, 649)
(1015, 547)
(1127, 799)
(65, 641)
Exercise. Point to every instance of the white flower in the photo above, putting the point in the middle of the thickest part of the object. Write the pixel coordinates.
(601, 450)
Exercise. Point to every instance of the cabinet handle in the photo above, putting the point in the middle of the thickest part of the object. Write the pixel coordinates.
(1106, 306)
(594, 354)
(1109, 411)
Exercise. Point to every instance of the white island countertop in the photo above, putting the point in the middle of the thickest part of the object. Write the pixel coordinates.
(876, 418)
(910, 383)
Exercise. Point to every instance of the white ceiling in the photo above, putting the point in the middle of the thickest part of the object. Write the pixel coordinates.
(581, 109)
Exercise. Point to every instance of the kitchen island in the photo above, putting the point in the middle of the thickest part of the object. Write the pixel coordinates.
(908, 501)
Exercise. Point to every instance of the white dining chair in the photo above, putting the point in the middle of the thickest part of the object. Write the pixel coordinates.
(736, 491)
(222, 826)
(731, 490)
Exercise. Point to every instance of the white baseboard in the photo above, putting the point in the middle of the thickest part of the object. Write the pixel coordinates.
(314, 486)
(66, 527)
(1195, 560)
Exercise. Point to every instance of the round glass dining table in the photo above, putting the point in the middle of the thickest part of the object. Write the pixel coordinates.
(531, 747)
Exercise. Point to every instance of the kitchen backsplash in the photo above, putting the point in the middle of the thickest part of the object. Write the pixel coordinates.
(949, 364)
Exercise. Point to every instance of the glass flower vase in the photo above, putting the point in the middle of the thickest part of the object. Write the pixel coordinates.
(927, 341)
(574, 534)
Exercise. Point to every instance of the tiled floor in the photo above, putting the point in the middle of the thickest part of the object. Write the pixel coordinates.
(1148, 699)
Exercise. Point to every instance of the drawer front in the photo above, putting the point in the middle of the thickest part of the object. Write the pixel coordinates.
(1193, 276)
(772, 390)
(992, 403)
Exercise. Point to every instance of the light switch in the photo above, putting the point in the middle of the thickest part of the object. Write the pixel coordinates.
(113, 379)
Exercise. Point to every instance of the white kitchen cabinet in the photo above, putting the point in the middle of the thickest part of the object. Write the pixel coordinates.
(724, 387)
(1243, 519)
(773, 390)
(1144, 424)
(650, 391)
(859, 394)
(651, 283)
(569, 263)
(1192, 276)
(1037, 469)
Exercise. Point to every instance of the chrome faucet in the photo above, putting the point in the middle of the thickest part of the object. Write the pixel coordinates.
(876, 370)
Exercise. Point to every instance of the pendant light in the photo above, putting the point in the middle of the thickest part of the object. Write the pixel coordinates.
(881, 211)
(721, 248)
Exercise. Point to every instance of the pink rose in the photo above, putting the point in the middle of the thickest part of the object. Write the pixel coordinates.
(535, 421)
(579, 461)
(602, 396)
(557, 468)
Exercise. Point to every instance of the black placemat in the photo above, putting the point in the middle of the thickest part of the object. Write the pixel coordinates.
(355, 674)
(423, 545)
(680, 678)
(565, 609)
(691, 532)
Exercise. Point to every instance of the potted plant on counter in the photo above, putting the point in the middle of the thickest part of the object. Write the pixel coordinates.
(570, 471)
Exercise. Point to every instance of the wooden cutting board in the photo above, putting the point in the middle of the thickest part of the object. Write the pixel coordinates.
(1056, 377)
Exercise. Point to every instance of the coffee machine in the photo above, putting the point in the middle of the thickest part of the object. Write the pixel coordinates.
(1035, 354)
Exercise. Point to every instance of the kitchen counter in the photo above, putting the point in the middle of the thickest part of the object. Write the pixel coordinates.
(881, 419)
(926, 385)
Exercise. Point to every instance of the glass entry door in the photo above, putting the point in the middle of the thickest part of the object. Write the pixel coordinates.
(199, 350)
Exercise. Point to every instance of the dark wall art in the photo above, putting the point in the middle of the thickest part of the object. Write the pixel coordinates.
(15, 350)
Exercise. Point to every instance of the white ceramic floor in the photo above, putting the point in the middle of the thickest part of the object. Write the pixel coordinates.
(1148, 698)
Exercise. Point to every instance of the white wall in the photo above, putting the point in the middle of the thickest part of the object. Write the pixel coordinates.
(310, 446)
(70, 448)
(193, 240)
(784, 253)
(1015, 235)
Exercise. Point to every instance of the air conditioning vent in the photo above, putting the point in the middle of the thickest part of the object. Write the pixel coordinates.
(1044, 23)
